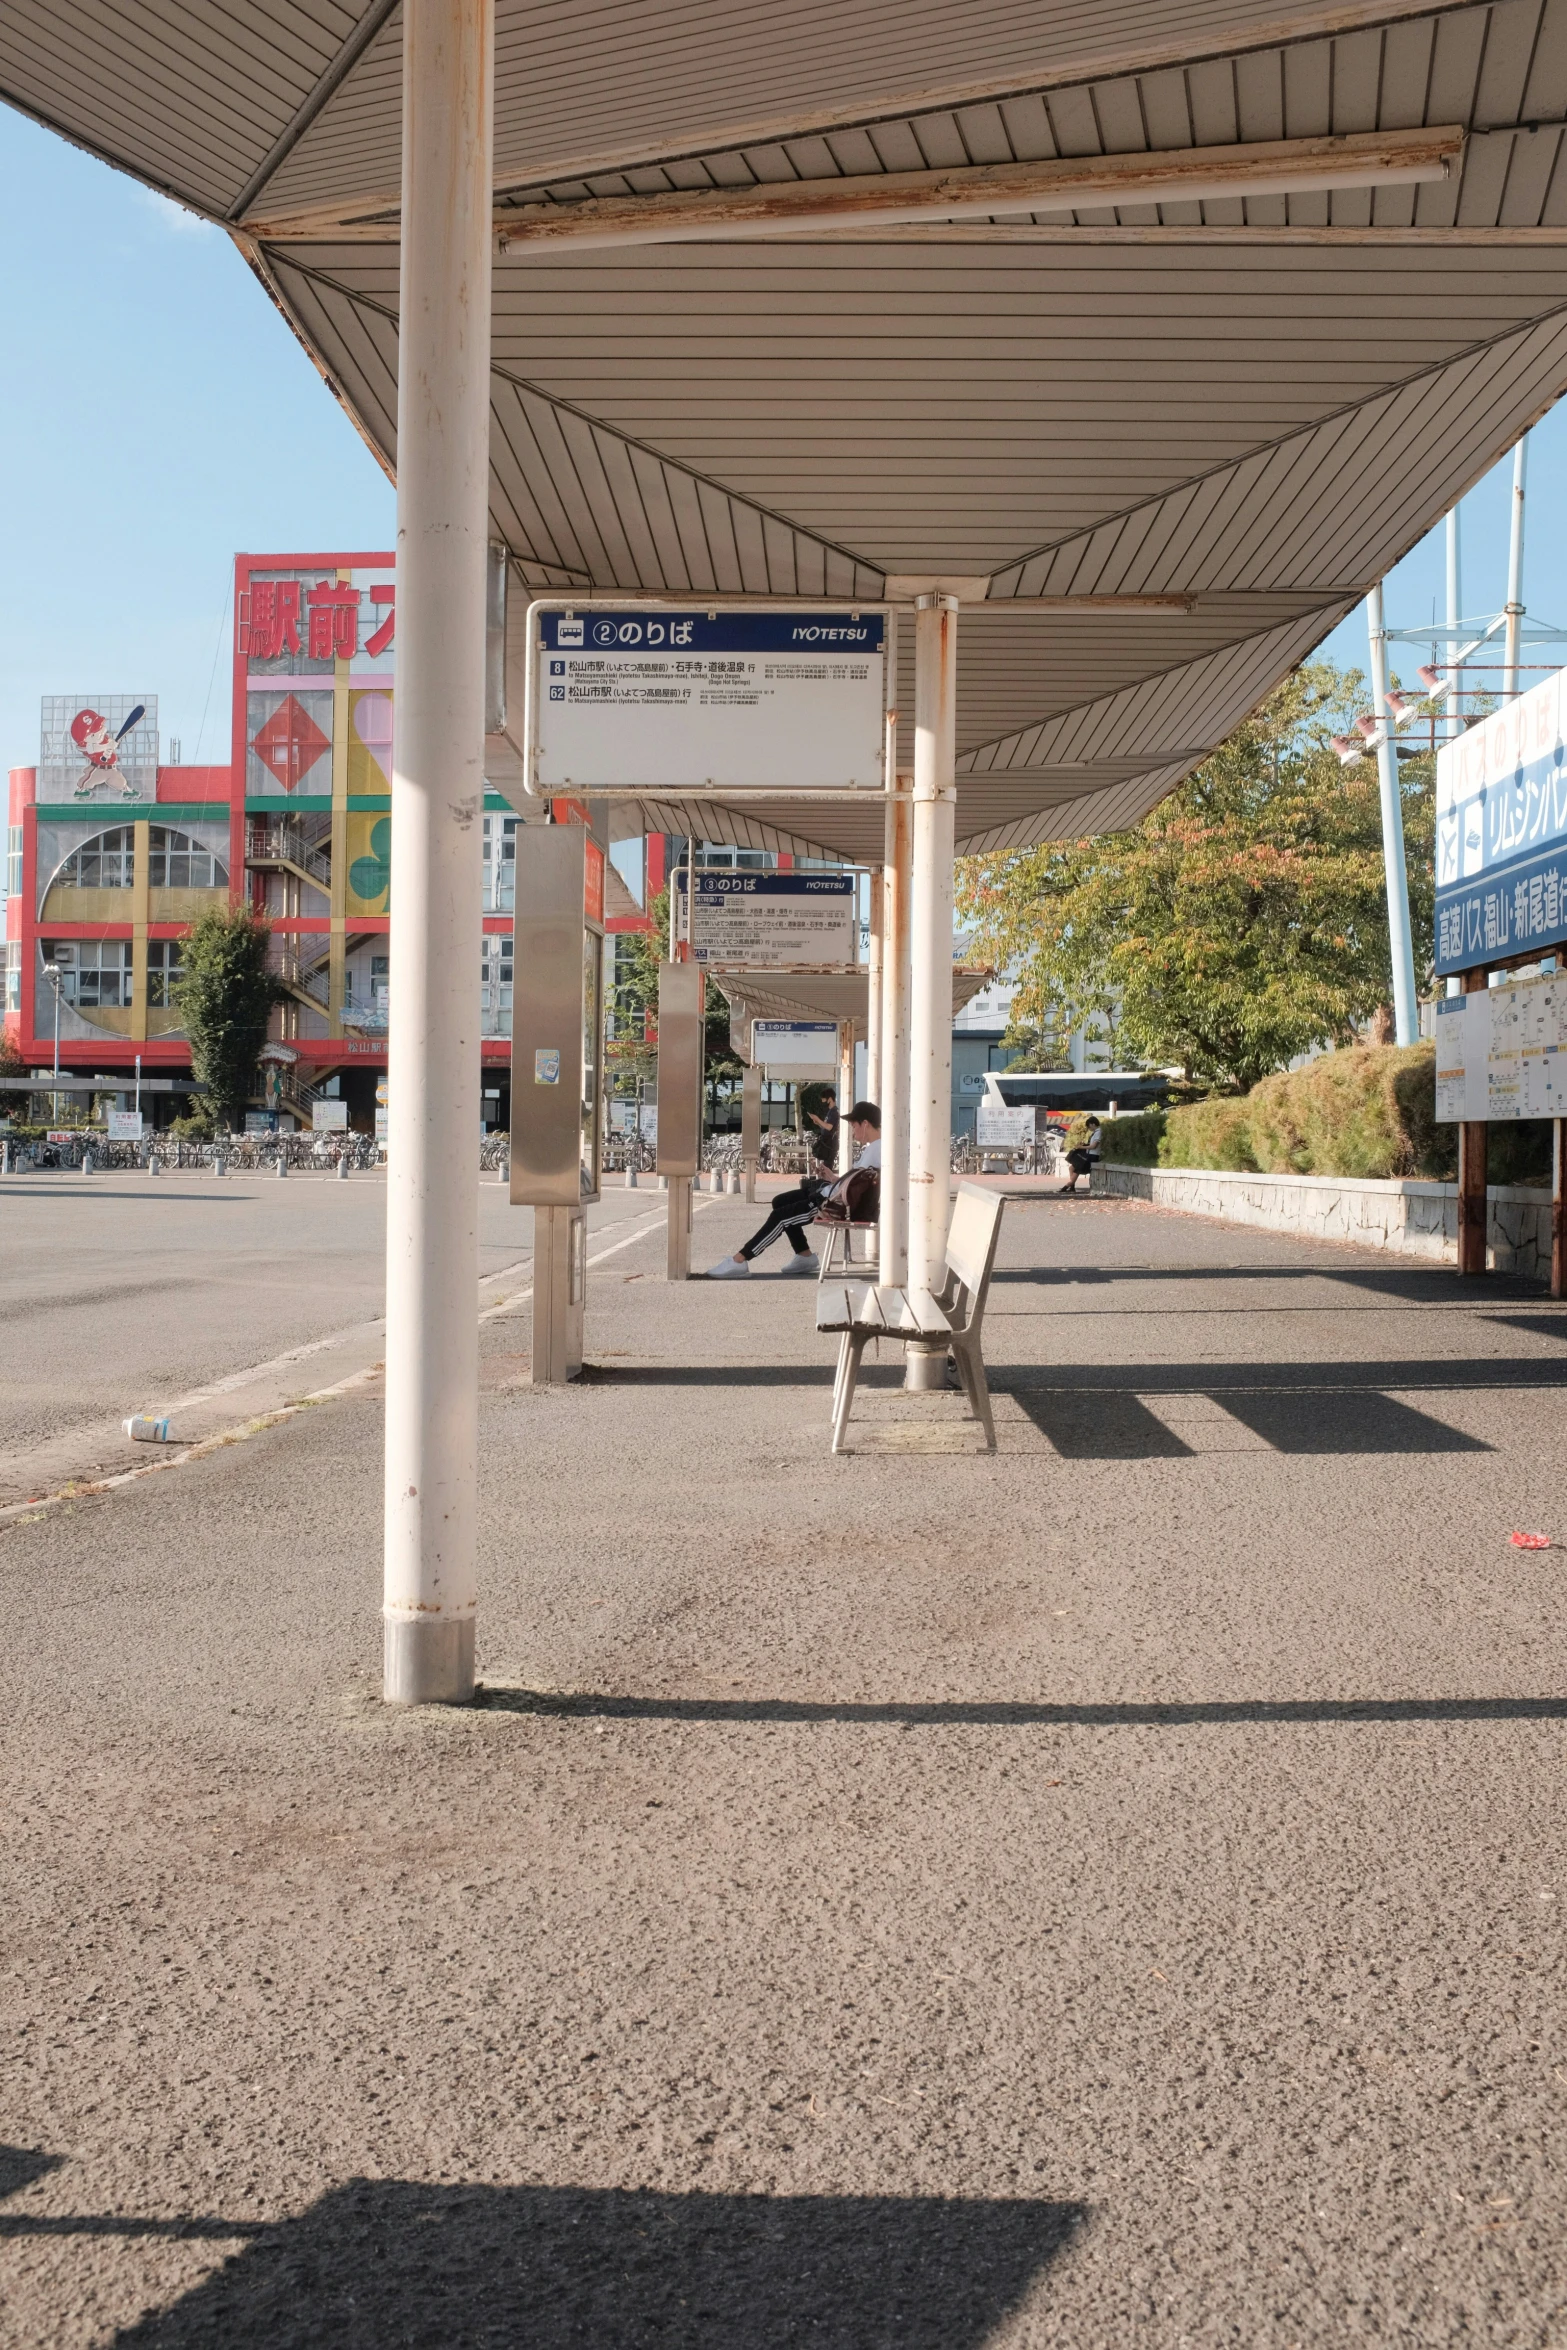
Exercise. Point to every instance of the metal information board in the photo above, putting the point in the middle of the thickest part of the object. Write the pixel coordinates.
(735, 697)
(769, 919)
(1501, 1053)
(796, 1051)
(1501, 832)
(1003, 1128)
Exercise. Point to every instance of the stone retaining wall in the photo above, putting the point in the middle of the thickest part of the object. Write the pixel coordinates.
(1409, 1219)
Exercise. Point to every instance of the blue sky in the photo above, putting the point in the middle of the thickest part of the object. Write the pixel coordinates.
(156, 417)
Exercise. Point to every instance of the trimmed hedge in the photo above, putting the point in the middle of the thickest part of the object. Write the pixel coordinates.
(1368, 1112)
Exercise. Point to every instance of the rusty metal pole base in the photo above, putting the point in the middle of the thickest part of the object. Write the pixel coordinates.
(925, 1369)
(427, 1663)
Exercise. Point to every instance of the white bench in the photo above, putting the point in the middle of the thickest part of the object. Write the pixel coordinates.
(951, 1316)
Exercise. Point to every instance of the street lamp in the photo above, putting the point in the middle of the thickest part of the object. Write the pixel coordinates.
(58, 963)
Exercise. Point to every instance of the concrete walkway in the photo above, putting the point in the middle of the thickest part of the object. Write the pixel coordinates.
(1105, 1893)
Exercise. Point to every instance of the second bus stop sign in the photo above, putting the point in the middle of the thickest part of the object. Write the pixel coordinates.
(741, 698)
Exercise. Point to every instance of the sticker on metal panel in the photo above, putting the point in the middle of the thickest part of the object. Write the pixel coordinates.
(546, 1067)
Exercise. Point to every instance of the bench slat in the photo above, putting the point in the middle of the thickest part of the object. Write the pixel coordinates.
(834, 1306)
(924, 1316)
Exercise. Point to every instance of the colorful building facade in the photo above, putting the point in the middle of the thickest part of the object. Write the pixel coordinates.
(109, 864)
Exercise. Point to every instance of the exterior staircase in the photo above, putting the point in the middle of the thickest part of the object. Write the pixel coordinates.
(304, 975)
(280, 846)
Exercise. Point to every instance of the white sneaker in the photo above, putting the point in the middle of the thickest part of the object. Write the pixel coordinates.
(731, 1269)
(809, 1263)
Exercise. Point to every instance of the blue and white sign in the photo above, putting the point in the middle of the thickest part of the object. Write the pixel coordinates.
(1501, 833)
(734, 698)
(769, 920)
(795, 1048)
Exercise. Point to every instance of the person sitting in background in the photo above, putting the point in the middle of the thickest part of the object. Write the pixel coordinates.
(1083, 1157)
(792, 1209)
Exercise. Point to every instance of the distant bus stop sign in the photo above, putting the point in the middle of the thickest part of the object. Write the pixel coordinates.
(626, 698)
(796, 1052)
(769, 920)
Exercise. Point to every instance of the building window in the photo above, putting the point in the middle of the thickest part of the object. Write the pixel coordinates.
(107, 861)
(500, 864)
(13, 862)
(178, 862)
(719, 854)
(165, 964)
(98, 975)
(495, 970)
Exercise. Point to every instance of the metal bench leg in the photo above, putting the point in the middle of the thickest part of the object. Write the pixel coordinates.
(854, 1343)
(840, 1373)
(971, 1370)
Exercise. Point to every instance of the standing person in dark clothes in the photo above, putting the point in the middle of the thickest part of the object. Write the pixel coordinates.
(827, 1128)
(791, 1209)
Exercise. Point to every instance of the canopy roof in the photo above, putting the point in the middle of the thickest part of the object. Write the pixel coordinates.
(1263, 287)
(840, 995)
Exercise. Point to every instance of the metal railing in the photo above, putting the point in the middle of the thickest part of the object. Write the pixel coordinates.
(311, 977)
(284, 843)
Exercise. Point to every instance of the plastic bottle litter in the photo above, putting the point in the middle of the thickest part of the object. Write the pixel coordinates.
(142, 1428)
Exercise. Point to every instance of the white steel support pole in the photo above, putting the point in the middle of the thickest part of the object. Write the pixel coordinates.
(1455, 613)
(873, 991)
(1514, 606)
(845, 1094)
(432, 1252)
(897, 878)
(930, 929)
(1455, 668)
(1406, 1010)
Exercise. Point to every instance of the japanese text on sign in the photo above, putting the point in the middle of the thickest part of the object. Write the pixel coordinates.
(335, 624)
(769, 919)
(1501, 832)
(736, 698)
(1501, 1052)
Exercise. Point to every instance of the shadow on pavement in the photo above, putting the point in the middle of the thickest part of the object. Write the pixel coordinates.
(1096, 1428)
(1002, 1713)
(387, 2261)
(21, 2165)
(1415, 1285)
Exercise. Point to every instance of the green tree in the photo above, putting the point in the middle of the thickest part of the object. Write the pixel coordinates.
(1241, 923)
(223, 997)
(636, 1003)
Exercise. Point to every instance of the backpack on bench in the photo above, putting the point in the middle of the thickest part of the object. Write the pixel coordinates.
(859, 1202)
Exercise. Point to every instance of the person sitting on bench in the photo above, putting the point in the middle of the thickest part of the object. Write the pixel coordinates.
(792, 1209)
(1083, 1159)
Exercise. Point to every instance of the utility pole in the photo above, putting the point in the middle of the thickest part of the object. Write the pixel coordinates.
(1406, 1014)
(1514, 605)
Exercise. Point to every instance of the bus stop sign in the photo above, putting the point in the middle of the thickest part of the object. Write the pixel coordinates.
(630, 698)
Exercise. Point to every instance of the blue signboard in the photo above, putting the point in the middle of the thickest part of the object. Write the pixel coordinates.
(1501, 834)
(719, 631)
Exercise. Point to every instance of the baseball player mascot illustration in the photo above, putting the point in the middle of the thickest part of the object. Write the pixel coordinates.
(101, 750)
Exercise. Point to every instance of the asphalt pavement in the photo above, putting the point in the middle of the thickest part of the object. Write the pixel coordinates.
(1108, 1892)
(127, 1294)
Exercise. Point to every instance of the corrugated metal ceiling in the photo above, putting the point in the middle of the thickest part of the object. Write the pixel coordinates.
(1261, 402)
